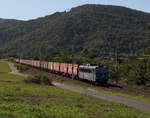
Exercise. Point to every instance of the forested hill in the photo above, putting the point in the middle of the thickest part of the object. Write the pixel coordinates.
(5, 23)
(94, 30)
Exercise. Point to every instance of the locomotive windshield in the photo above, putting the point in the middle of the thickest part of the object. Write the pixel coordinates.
(87, 70)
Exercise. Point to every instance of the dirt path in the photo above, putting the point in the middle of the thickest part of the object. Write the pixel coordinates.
(132, 103)
(14, 70)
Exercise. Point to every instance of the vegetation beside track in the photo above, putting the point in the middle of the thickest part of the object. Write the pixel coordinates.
(21, 100)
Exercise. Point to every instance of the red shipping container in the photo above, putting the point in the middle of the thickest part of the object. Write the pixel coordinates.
(26, 62)
(64, 68)
(20, 60)
(32, 63)
(17, 60)
(56, 66)
(36, 63)
(50, 65)
(73, 69)
(70, 69)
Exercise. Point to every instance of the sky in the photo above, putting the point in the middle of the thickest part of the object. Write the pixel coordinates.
(31, 9)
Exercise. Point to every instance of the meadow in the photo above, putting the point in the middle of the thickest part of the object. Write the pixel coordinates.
(22, 100)
(4, 67)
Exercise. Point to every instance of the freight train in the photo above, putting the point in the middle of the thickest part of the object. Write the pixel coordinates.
(93, 73)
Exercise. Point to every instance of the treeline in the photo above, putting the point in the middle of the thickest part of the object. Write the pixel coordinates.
(132, 71)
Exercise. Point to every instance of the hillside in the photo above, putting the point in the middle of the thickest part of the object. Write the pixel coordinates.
(5, 23)
(93, 30)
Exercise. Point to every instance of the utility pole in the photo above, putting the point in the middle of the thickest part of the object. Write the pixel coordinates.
(117, 56)
(72, 62)
(19, 54)
(40, 55)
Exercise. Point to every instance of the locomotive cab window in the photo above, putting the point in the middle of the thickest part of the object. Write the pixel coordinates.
(85, 70)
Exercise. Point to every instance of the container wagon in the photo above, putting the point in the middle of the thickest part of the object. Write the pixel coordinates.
(44, 65)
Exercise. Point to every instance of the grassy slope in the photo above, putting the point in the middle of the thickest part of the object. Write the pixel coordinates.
(21, 100)
(142, 97)
(4, 67)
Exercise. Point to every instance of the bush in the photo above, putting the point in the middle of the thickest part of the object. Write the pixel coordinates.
(20, 67)
(39, 80)
(115, 74)
(136, 72)
(11, 59)
(131, 71)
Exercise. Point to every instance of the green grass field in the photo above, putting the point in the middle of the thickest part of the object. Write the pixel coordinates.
(4, 67)
(21, 100)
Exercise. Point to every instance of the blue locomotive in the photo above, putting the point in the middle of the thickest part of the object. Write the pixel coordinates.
(93, 73)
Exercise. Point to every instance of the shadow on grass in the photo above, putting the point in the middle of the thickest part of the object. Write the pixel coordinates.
(39, 80)
(108, 85)
(113, 85)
